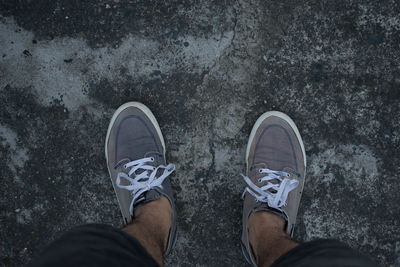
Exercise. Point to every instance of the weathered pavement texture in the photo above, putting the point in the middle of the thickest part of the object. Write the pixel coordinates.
(207, 69)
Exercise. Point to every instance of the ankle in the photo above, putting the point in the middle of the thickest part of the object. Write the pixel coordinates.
(160, 207)
(267, 237)
(151, 226)
(157, 213)
(261, 220)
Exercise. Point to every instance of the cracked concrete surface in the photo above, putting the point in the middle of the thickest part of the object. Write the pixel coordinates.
(207, 70)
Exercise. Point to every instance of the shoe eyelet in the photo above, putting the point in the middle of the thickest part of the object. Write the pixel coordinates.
(259, 180)
(125, 166)
(260, 171)
(152, 159)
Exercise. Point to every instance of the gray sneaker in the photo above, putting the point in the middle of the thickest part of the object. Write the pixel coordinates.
(135, 154)
(276, 163)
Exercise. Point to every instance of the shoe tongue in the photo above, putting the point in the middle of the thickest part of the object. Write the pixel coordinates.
(261, 206)
(152, 194)
(147, 196)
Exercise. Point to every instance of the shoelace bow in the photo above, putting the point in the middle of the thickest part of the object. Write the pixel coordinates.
(144, 181)
(275, 199)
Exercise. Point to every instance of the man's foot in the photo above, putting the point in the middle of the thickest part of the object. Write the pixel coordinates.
(276, 163)
(135, 154)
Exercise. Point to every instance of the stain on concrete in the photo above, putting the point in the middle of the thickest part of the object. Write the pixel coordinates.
(45, 70)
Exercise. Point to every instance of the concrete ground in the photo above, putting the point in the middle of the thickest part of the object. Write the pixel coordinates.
(207, 69)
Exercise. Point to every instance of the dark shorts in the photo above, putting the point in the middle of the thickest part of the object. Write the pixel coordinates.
(103, 245)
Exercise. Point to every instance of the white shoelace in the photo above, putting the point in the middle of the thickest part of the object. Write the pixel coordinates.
(263, 194)
(145, 180)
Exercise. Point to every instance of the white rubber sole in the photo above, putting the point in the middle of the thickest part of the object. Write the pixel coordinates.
(145, 110)
(279, 115)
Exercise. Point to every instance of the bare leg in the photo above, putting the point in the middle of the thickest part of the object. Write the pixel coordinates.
(151, 227)
(268, 238)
